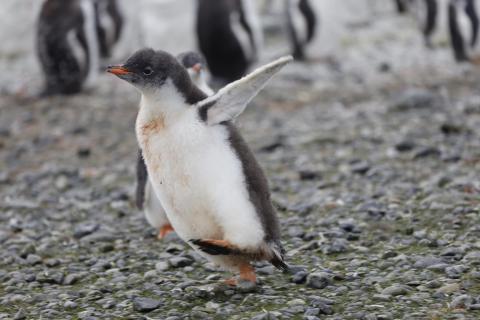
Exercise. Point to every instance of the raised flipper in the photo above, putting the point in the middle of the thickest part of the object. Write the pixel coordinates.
(229, 102)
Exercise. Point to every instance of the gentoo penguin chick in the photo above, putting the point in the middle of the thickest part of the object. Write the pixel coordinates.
(146, 199)
(427, 12)
(301, 25)
(196, 66)
(67, 45)
(229, 36)
(401, 5)
(109, 24)
(213, 190)
(463, 22)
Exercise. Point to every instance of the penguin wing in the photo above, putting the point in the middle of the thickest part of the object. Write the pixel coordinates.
(142, 177)
(230, 101)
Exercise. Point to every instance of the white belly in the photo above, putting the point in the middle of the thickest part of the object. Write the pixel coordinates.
(200, 182)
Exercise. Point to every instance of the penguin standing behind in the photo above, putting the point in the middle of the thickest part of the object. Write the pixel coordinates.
(426, 12)
(301, 24)
(213, 190)
(109, 24)
(401, 5)
(229, 36)
(67, 45)
(146, 199)
(463, 25)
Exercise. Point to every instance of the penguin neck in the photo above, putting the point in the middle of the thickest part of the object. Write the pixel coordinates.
(168, 103)
(164, 103)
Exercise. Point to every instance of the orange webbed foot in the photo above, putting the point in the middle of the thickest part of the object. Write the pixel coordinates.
(163, 231)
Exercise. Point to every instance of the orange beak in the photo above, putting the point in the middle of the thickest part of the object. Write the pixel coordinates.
(118, 70)
(197, 67)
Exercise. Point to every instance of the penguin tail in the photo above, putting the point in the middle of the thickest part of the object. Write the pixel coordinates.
(277, 259)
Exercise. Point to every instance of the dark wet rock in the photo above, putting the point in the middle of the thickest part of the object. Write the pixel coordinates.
(309, 175)
(145, 304)
(425, 152)
(180, 262)
(300, 277)
(360, 167)
(83, 152)
(450, 128)
(174, 248)
(405, 146)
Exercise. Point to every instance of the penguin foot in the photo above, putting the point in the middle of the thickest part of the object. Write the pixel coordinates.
(215, 247)
(163, 231)
(247, 273)
(231, 282)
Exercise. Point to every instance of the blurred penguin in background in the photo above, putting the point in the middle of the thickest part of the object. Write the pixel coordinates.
(109, 24)
(401, 5)
(67, 45)
(463, 25)
(229, 36)
(301, 25)
(427, 14)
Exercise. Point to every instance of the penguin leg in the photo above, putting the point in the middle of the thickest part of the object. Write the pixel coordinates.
(164, 230)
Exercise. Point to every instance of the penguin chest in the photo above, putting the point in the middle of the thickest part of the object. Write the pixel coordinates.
(198, 178)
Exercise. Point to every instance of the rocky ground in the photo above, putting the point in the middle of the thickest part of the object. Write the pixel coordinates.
(373, 163)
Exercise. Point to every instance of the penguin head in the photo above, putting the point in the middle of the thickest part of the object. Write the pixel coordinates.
(149, 70)
(194, 62)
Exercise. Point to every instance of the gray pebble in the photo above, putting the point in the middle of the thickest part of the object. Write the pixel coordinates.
(145, 304)
(246, 286)
(179, 262)
(319, 280)
(396, 290)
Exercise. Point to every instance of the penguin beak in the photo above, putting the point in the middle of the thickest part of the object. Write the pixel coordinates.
(118, 70)
(197, 67)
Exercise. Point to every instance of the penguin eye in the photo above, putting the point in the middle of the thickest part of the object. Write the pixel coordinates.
(147, 71)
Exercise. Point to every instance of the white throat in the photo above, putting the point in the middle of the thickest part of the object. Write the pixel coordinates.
(165, 102)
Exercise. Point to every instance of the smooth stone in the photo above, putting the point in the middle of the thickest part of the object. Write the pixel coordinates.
(396, 290)
(180, 262)
(319, 280)
(162, 266)
(145, 304)
(449, 288)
